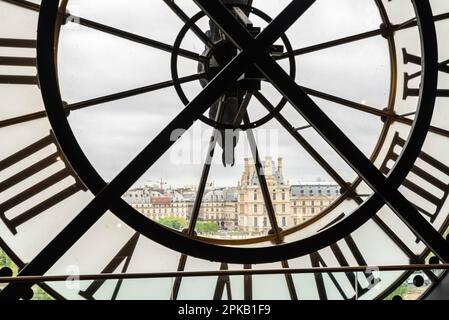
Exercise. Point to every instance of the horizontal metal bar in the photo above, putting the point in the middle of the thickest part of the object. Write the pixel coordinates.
(193, 274)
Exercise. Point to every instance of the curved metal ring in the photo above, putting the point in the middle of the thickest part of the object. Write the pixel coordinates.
(178, 87)
(190, 246)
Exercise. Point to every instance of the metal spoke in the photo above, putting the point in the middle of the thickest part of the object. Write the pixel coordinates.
(371, 110)
(185, 18)
(263, 182)
(267, 200)
(289, 15)
(355, 158)
(131, 93)
(357, 37)
(412, 22)
(199, 197)
(97, 207)
(304, 143)
(333, 43)
(334, 174)
(345, 102)
(100, 100)
(135, 38)
(331, 133)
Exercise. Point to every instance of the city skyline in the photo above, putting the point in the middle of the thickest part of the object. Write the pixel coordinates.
(153, 181)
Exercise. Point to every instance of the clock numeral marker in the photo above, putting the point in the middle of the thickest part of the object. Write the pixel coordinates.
(124, 255)
(18, 62)
(24, 4)
(42, 185)
(318, 261)
(414, 59)
(431, 197)
(223, 283)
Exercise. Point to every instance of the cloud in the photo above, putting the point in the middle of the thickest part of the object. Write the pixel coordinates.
(92, 64)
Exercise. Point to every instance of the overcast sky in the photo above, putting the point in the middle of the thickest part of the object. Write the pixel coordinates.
(93, 64)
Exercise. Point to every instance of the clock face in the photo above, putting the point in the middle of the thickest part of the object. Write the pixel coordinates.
(237, 106)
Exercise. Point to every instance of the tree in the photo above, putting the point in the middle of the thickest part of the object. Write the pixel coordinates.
(176, 223)
(207, 227)
(5, 261)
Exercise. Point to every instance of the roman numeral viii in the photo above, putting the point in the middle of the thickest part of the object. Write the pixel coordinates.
(358, 289)
(43, 184)
(413, 59)
(433, 193)
(17, 62)
(123, 256)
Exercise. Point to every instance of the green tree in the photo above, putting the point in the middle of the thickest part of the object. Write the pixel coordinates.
(399, 291)
(6, 262)
(207, 227)
(176, 223)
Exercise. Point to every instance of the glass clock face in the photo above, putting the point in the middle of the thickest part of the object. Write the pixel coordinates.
(223, 135)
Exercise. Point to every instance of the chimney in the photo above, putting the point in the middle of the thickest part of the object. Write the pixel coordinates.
(246, 172)
(268, 166)
(280, 166)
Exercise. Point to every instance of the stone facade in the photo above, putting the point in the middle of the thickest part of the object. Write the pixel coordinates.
(240, 208)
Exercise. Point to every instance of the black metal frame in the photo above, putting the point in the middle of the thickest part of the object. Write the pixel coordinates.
(108, 195)
(190, 23)
(222, 272)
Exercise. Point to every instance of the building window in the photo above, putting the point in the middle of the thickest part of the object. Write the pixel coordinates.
(295, 210)
(303, 210)
(303, 203)
(255, 221)
(284, 221)
(283, 196)
(255, 195)
(283, 208)
(313, 203)
(313, 210)
(265, 222)
(321, 203)
(274, 194)
(255, 208)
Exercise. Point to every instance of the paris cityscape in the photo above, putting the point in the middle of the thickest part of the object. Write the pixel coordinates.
(239, 210)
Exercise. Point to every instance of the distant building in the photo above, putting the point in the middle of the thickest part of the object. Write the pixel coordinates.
(292, 204)
(243, 207)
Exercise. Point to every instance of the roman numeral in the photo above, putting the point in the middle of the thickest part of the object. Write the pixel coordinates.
(414, 92)
(44, 184)
(318, 261)
(223, 283)
(124, 255)
(434, 200)
(18, 62)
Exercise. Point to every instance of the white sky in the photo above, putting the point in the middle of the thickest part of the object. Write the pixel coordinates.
(93, 64)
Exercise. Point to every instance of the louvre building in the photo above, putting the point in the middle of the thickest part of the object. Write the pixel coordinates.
(216, 150)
